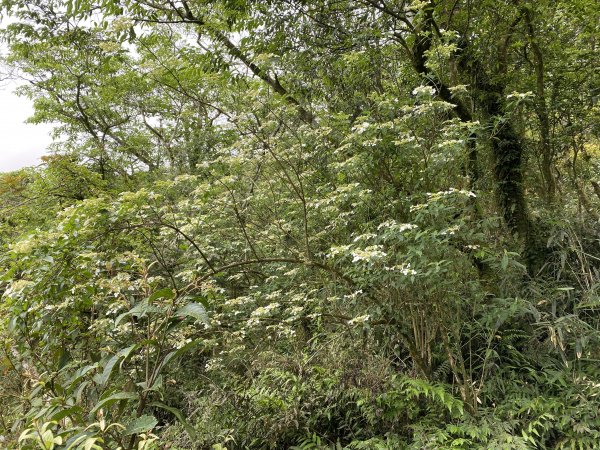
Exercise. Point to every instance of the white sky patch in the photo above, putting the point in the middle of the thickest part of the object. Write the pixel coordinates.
(21, 144)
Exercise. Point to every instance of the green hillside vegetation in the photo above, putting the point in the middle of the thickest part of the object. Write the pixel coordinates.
(294, 224)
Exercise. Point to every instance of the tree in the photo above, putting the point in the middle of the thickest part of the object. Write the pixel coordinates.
(290, 224)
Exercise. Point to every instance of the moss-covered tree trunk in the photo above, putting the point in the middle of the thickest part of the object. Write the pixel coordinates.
(507, 148)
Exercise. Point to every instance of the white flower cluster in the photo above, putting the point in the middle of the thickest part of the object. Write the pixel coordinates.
(24, 246)
(262, 311)
(361, 127)
(294, 312)
(239, 302)
(372, 142)
(364, 237)
(423, 90)
(450, 231)
(354, 295)
(359, 320)
(404, 269)
(371, 253)
(214, 364)
(182, 342)
(520, 95)
(452, 191)
(451, 143)
(338, 250)
(395, 226)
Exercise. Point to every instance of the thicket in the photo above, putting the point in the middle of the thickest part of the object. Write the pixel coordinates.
(268, 224)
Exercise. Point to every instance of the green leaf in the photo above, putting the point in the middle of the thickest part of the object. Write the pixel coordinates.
(504, 262)
(63, 358)
(195, 310)
(166, 293)
(110, 365)
(79, 374)
(141, 425)
(179, 416)
(177, 353)
(80, 390)
(48, 258)
(139, 310)
(112, 399)
(61, 414)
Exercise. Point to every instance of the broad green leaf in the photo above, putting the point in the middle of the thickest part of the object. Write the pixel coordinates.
(71, 411)
(140, 310)
(166, 293)
(179, 415)
(114, 398)
(103, 377)
(195, 310)
(79, 374)
(141, 425)
(177, 353)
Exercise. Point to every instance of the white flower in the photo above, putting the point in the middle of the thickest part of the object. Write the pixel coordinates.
(24, 246)
(359, 320)
(364, 237)
(520, 95)
(423, 90)
(370, 253)
(450, 231)
(262, 311)
(361, 128)
(404, 269)
(451, 142)
(338, 250)
(352, 296)
(386, 224)
(451, 191)
(181, 343)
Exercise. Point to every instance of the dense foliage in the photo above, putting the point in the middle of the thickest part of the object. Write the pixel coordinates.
(267, 224)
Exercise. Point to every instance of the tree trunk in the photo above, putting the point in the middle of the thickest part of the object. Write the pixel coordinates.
(507, 149)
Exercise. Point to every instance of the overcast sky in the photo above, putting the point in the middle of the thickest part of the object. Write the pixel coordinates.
(21, 144)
